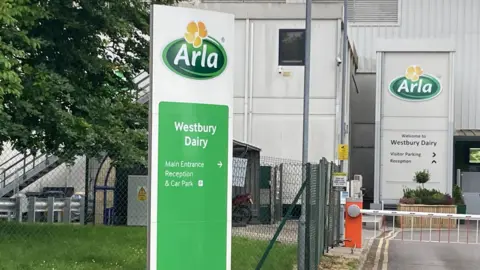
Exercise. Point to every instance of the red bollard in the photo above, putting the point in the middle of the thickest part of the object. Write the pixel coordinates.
(353, 223)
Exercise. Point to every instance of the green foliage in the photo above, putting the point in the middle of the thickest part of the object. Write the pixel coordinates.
(457, 195)
(58, 87)
(16, 19)
(422, 177)
(422, 195)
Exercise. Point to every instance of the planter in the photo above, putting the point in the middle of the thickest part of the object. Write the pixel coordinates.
(423, 222)
(462, 209)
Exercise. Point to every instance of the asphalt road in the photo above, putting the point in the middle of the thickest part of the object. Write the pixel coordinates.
(403, 255)
(456, 250)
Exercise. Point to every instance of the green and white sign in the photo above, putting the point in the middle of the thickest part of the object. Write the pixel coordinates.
(415, 85)
(196, 55)
(191, 139)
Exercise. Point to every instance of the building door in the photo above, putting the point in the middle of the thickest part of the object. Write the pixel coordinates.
(471, 191)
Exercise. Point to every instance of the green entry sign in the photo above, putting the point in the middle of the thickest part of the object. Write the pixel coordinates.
(193, 145)
(190, 139)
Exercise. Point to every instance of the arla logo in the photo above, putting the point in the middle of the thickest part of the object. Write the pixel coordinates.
(415, 85)
(196, 55)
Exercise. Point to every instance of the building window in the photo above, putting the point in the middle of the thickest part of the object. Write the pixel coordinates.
(291, 47)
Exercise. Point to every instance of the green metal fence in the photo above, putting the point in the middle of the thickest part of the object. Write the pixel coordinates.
(322, 211)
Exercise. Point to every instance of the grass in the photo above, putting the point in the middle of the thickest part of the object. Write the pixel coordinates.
(246, 253)
(73, 247)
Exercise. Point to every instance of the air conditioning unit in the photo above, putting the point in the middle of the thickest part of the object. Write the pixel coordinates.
(356, 184)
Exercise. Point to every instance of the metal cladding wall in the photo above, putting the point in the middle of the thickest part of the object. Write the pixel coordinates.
(435, 19)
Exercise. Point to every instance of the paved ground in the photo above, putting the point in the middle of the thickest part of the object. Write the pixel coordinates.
(456, 249)
(405, 255)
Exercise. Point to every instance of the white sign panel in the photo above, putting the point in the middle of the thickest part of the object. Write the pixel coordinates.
(414, 122)
(190, 149)
(339, 179)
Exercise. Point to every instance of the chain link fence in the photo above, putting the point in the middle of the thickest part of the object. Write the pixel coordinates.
(278, 210)
(93, 215)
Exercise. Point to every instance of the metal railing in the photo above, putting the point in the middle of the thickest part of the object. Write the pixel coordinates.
(33, 209)
(19, 165)
(143, 87)
(426, 227)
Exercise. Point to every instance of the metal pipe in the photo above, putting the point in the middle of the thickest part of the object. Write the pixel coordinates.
(459, 178)
(250, 83)
(341, 225)
(306, 122)
(246, 81)
(344, 74)
(87, 188)
(7, 204)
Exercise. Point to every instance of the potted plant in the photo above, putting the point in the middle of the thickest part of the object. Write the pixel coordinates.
(421, 199)
(422, 177)
(459, 201)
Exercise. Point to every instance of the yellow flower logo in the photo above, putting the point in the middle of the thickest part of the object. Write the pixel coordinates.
(413, 73)
(196, 32)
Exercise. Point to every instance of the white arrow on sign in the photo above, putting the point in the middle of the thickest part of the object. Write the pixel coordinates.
(219, 164)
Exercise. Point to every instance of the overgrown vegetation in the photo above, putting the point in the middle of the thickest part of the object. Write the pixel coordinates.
(422, 195)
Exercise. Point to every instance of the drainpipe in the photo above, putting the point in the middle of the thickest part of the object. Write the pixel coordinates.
(246, 81)
(344, 74)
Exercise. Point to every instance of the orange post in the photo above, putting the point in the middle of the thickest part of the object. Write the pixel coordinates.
(353, 223)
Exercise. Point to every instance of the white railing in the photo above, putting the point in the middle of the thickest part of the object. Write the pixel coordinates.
(49, 210)
(425, 227)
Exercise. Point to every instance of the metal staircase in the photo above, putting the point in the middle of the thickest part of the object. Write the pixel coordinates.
(20, 171)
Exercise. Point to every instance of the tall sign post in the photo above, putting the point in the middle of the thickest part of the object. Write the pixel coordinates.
(190, 143)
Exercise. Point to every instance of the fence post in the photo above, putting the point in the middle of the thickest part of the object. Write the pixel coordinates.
(273, 196)
(51, 209)
(331, 206)
(308, 216)
(280, 175)
(341, 220)
(336, 218)
(31, 209)
(19, 208)
(67, 210)
(82, 212)
(321, 210)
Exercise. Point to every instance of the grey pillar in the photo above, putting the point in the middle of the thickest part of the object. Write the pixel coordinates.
(67, 211)
(19, 206)
(51, 210)
(31, 209)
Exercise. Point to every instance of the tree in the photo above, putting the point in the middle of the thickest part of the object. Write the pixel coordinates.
(57, 82)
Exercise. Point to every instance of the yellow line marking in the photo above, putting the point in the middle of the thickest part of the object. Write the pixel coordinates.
(385, 255)
(377, 255)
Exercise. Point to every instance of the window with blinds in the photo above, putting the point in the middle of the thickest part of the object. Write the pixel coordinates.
(371, 11)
